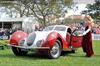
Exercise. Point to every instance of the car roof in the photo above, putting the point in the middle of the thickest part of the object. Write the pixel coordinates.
(59, 25)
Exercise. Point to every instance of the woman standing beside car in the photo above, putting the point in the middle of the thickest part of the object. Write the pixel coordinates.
(87, 36)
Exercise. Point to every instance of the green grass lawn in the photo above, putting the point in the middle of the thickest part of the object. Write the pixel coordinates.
(7, 58)
(4, 42)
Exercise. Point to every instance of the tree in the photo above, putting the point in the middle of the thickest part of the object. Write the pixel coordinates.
(7, 8)
(93, 10)
(15, 6)
(41, 9)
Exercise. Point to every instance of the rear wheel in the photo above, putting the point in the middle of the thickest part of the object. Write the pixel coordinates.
(55, 52)
(73, 51)
(19, 51)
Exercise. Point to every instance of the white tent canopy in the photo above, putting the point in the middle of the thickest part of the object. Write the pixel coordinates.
(11, 19)
(11, 22)
(26, 23)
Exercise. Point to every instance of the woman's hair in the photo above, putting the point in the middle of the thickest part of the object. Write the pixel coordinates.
(88, 18)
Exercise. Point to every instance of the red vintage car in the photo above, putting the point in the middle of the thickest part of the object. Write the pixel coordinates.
(51, 41)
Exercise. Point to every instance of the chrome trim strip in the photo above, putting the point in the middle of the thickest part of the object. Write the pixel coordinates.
(25, 47)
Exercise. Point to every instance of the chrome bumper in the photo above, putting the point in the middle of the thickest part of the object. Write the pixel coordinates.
(26, 47)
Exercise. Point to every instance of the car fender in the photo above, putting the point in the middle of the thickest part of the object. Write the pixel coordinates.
(51, 39)
(17, 36)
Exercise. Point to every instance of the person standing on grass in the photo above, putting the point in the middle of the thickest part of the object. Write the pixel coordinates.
(87, 36)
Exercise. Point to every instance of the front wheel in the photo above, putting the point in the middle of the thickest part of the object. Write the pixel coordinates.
(55, 52)
(19, 51)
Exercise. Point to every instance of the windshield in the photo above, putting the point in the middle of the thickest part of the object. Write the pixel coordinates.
(60, 28)
(56, 28)
(48, 28)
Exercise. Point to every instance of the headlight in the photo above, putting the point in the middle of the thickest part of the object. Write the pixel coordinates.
(21, 42)
(29, 43)
(39, 43)
(30, 39)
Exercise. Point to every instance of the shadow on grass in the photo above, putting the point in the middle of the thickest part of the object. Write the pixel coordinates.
(96, 56)
(83, 55)
(36, 56)
(31, 56)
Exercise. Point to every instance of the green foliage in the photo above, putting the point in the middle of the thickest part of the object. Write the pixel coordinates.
(4, 42)
(93, 10)
(6, 3)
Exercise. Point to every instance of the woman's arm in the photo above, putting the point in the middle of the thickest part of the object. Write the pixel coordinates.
(85, 32)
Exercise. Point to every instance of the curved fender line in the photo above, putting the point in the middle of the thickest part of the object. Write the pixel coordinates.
(52, 37)
(17, 36)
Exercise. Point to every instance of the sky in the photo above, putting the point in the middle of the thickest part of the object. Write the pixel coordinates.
(81, 4)
(76, 11)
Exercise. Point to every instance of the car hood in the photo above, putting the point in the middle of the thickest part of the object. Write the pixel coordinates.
(42, 34)
(37, 36)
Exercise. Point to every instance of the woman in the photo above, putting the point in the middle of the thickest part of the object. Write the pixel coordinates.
(87, 36)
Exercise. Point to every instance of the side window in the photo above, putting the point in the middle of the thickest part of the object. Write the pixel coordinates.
(69, 31)
(68, 35)
(60, 28)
